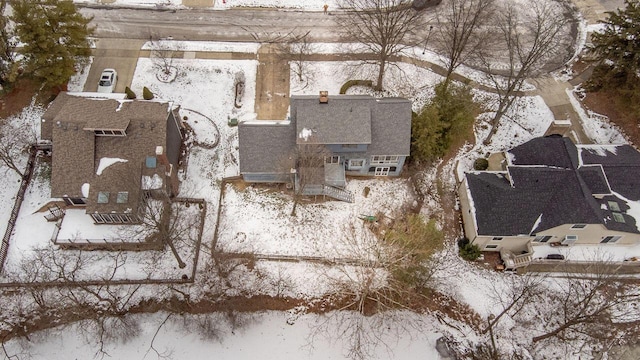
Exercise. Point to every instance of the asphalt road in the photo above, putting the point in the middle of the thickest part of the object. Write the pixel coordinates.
(209, 25)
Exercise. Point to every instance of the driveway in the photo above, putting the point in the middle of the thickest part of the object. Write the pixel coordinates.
(119, 54)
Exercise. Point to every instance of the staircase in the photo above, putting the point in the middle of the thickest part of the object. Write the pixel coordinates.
(338, 194)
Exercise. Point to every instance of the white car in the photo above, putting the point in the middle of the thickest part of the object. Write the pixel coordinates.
(108, 81)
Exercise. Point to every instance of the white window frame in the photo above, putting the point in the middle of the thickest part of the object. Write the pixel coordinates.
(569, 239)
(381, 171)
(491, 246)
(578, 226)
(352, 166)
(385, 159)
(542, 238)
(98, 218)
(334, 159)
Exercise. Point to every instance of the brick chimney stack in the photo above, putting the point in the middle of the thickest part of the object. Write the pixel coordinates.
(324, 97)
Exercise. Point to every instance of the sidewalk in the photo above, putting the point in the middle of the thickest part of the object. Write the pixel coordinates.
(273, 74)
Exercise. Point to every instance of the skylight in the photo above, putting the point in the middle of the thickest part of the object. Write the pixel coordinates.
(618, 217)
(613, 206)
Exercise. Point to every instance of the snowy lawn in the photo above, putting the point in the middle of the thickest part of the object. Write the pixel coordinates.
(260, 335)
(258, 220)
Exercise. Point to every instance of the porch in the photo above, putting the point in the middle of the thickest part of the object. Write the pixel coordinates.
(514, 260)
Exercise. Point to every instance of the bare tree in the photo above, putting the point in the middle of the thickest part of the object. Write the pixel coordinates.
(296, 50)
(460, 35)
(306, 164)
(14, 145)
(594, 307)
(529, 37)
(383, 27)
(163, 54)
(390, 270)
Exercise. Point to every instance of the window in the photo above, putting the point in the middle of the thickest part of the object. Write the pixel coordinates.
(332, 159)
(108, 218)
(356, 163)
(578, 226)
(497, 238)
(372, 169)
(491, 247)
(75, 201)
(618, 217)
(123, 197)
(542, 239)
(384, 159)
(610, 239)
(613, 206)
(382, 171)
(103, 197)
(109, 133)
(97, 218)
(570, 239)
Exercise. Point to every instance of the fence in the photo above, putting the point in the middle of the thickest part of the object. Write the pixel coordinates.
(26, 179)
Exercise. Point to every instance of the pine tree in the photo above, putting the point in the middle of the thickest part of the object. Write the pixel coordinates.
(55, 39)
(8, 67)
(617, 48)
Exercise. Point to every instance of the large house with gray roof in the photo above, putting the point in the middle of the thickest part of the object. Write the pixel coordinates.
(357, 135)
(109, 154)
(550, 191)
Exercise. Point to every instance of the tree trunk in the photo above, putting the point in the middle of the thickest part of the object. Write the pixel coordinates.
(381, 69)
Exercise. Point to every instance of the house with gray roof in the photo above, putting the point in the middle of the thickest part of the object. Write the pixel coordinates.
(550, 191)
(109, 154)
(356, 135)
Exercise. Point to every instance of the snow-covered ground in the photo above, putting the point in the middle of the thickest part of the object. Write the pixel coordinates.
(262, 335)
(257, 220)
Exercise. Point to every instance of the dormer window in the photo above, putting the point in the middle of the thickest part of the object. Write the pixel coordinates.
(613, 206)
(618, 217)
(109, 132)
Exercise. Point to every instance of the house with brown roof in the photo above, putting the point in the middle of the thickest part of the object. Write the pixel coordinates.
(109, 154)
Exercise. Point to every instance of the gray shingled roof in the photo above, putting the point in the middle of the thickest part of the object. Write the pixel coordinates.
(549, 151)
(342, 122)
(265, 147)
(384, 124)
(76, 152)
(621, 164)
(548, 185)
(390, 119)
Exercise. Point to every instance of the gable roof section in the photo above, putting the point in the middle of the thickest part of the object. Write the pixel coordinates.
(71, 160)
(555, 196)
(390, 121)
(391, 127)
(549, 151)
(621, 164)
(265, 146)
(340, 122)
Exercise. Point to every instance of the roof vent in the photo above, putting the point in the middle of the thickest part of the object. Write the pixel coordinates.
(324, 97)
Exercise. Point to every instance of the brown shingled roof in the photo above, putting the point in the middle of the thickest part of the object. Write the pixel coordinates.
(77, 151)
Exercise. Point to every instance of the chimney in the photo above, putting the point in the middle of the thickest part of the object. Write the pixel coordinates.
(162, 157)
(324, 97)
